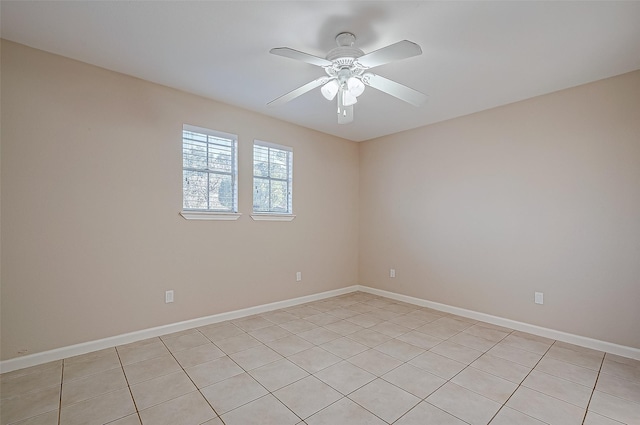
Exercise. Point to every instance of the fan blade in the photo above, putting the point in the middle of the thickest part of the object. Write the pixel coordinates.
(398, 90)
(400, 50)
(299, 91)
(301, 56)
(345, 115)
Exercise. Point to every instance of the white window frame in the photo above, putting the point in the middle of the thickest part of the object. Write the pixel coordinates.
(274, 215)
(211, 213)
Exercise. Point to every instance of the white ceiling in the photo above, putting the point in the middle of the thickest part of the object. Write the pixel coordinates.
(476, 55)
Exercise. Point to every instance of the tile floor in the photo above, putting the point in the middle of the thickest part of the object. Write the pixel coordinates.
(354, 359)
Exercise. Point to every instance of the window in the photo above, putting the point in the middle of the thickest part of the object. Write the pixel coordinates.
(272, 178)
(209, 171)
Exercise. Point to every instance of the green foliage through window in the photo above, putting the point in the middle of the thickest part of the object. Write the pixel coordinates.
(272, 178)
(209, 170)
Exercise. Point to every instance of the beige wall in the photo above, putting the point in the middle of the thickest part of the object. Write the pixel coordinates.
(91, 190)
(541, 195)
(477, 212)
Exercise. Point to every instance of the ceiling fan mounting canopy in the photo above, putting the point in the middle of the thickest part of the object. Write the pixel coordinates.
(347, 68)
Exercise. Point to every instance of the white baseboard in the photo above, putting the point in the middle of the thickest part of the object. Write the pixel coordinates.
(87, 347)
(609, 347)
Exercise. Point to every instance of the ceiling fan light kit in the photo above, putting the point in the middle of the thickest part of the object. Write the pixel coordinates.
(347, 69)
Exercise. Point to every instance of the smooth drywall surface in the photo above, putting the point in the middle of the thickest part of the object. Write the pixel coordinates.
(542, 195)
(91, 191)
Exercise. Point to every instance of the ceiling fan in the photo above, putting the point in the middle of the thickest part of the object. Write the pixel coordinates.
(347, 69)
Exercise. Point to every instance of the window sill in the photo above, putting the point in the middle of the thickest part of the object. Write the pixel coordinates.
(273, 217)
(209, 215)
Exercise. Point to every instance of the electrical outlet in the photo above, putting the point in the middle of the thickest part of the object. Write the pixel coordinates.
(539, 298)
(168, 297)
(392, 272)
(298, 276)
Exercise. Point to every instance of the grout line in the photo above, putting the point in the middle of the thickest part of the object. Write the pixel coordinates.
(586, 411)
(135, 406)
(61, 382)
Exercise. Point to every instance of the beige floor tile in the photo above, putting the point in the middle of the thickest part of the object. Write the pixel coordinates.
(133, 353)
(184, 342)
(495, 327)
(384, 400)
(297, 326)
(314, 359)
(413, 380)
(303, 311)
(612, 407)
(89, 356)
(369, 337)
(80, 369)
(595, 419)
(270, 333)
(234, 392)
(345, 412)
(472, 341)
(31, 382)
(344, 347)
(390, 329)
(198, 355)
(408, 321)
(492, 335)
(579, 375)
(508, 416)
(161, 389)
(383, 314)
(29, 404)
(252, 323)
(237, 343)
(366, 320)
(278, 374)
(149, 369)
(49, 418)
(268, 409)
(526, 344)
(279, 316)
(322, 319)
(502, 368)
(622, 370)
(32, 369)
(220, 331)
(400, 350)
(464, 404)
(215, 421)
(573, 347)
(456, 352)
(375, 362)
(439, 330)
(425, 413)
(345, 377)
(420, 340)
(189, 409)
(289, 345)
(255, 357)
(343, 327)
(624, 360)
(127, 420)
(99, 410)
(621, 388)
(318, 335)
(178, 334)
(93, 386)
(437, 365)
(209, 373)
(426, 315)
(516, 355)
(307, 396)
(485, 384)
(559, 388)
(459, 323)
(342, 313)
(584, 359)
(545, 408)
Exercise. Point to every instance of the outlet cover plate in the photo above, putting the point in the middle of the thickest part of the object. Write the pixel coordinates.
(539, 298)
